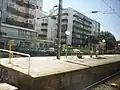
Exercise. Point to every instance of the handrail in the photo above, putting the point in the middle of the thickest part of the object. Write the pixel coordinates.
(4, 50)
(14, 52)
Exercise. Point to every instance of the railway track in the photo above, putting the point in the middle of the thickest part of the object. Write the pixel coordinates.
(111, 82)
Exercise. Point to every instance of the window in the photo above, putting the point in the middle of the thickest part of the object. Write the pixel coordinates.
(44, 24)
(53, 17)
(65, 14)
(64, 20)
(40, 8)
(37, 7)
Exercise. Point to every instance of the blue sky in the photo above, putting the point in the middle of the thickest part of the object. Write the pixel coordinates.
(109, 22)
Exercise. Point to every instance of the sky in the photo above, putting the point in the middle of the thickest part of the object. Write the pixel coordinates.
(109, 22)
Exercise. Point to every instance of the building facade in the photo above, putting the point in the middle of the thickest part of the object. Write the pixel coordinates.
(47, 26)
(19, 23)
(24, 39)
(20, 12)
(95, 27)
(79, 26)
(18, 34)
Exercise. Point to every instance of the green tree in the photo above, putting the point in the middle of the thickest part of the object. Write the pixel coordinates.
(109, 39)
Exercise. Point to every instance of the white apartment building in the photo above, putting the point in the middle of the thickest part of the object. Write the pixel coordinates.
(95, 28)
(47, 26)
(79, 26)
(20, 12)
(19, 19)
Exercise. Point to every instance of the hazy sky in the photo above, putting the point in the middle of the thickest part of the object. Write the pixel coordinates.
(109, 22)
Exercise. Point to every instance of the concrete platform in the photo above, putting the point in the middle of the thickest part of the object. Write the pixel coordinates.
(5, 86)
(47, 73)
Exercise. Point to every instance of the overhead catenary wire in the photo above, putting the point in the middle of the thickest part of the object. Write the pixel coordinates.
(114, 10)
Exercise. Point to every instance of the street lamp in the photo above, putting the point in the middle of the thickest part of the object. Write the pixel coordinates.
(55, 6)
(67, 34)
(94, 11)
(59, 29)
(103, 40)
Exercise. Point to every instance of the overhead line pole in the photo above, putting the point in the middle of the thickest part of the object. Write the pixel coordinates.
(59, 30)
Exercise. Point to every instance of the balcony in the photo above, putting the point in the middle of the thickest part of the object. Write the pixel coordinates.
(78, 20)
(24, 3)
(11, 21)
(19, 13)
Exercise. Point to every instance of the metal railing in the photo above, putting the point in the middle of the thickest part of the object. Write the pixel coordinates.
(18, 53)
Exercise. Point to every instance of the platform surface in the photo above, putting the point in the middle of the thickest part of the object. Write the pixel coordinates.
(5, 86)
(42, 66)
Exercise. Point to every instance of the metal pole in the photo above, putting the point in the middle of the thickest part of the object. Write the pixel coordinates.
(29, 63)
(59, 29)
(66, 47)
(10, 48)
(99, 41)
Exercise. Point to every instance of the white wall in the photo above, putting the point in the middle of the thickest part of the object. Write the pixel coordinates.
(52, 29)
(39, 19)
(95, 27)
(70, 26)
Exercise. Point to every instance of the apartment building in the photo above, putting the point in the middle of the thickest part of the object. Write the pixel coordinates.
(95, 27)
(18, 20)
(47, 27)
(20, 12)
(79, 25)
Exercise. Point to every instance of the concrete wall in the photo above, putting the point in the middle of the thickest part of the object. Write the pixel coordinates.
(74, 80)
(24, 82)
(70, 26)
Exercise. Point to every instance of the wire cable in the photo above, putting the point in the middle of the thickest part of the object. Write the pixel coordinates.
(114, 10)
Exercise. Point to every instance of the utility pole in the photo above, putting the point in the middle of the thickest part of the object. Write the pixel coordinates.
(59, 29)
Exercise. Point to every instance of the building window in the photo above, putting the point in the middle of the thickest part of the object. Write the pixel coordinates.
(40, 8)
(65, 14)
(64, 20)
(53, 17)
(64, 27)
(44, 24)
(37, 7)
(18, 13)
